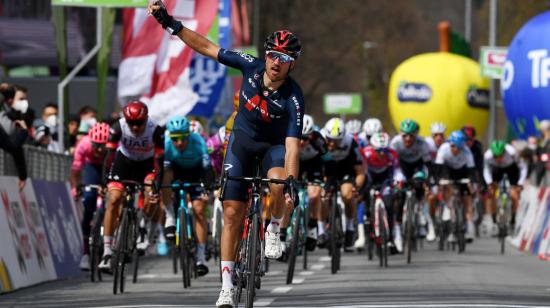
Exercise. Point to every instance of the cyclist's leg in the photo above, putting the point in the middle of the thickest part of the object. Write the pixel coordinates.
(515, 190)
(273, 162)
(91, 175)
(167, 204)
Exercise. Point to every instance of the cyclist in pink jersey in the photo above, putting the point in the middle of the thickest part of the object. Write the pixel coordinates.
(87, 169)
(215, 145)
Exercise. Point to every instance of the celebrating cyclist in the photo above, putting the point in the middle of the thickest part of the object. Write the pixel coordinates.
(139, 145)
(186, 159)
(87, 169)
(343, 163)
(268, 125)
(414, 155)
(455, 161)
(502, 159)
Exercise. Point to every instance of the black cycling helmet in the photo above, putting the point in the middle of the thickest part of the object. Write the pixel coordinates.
(284, 41)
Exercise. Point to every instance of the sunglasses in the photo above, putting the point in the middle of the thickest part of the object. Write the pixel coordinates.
(179, 137)
(408, 135)
(135, 123)
(283, 58)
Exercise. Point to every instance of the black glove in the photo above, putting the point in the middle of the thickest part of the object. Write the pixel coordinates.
(291, 188)
(166, 20)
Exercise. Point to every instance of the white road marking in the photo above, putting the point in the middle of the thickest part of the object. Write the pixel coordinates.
(317, 267)
(324, 259)
(305, 273)
(297, 280)
(441, 305)
(273, 273)
(281, 290)
(262, 302)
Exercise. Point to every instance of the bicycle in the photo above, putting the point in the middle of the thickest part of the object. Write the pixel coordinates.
(412, 217)
(298, 232)
(451, 218)
(185, 245)
(378, 224)
(96, 233)
(503, 211)
(217, 227)
(126, 236)
(250, 260)
(336, 237)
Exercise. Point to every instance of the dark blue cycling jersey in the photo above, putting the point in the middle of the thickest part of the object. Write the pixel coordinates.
(266, 116)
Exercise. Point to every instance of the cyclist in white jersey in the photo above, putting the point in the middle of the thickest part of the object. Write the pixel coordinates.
(139, 145)
(434, 141)
(343, 163)
(414, 155)
(455, 161)
(499, 160)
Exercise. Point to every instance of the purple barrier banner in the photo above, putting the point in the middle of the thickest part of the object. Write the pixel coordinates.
(62, 227)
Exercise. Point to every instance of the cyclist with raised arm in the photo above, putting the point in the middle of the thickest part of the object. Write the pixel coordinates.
(382, 169)
(343, 164)
(268, 125)
(414, 156)
(454, 161)
(87, 169)
(312, 147)
(502, 159)
(186, 159)
(136, 149)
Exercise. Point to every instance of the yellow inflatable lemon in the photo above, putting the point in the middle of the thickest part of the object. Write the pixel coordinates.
(439, 87)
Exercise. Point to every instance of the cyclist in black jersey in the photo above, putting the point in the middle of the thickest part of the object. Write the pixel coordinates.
(268, 125)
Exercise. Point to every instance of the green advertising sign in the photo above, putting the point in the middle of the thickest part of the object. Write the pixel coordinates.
(342, 103)
(107, 3)
(492, 60)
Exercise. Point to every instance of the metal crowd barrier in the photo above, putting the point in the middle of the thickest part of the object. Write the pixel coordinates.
(41, 164)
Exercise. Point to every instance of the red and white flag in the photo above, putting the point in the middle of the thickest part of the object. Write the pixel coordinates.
(155, 64)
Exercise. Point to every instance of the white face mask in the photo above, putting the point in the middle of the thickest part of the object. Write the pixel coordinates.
(21, 105)
(91, 121)
(51, 121)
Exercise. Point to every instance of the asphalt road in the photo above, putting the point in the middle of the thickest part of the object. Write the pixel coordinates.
(479, 278)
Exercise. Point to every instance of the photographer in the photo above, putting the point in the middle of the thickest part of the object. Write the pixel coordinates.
(13, 129)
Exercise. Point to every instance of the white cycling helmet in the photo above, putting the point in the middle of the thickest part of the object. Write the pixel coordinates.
(334, 129)
(353, 126)
(380, 140)
(307, 127)
(221, 133)
(372, 126)
(196, 127)
(438, 128)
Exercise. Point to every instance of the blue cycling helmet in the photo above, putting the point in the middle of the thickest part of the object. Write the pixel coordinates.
(458, 138)
(178, 125)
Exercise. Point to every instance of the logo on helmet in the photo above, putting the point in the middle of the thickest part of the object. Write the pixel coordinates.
(414, 92)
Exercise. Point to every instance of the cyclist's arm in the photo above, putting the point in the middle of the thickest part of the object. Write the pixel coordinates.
(523, 170)
(295, 112)
(487, 175)
(199, 43)
(359, 176)
(78, 163)
(115, 134)
(158, 140)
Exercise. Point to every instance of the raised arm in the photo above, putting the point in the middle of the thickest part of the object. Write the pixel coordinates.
(191, 38)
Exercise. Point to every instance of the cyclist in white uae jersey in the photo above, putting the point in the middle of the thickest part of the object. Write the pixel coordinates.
(499, 160)
(455, 161)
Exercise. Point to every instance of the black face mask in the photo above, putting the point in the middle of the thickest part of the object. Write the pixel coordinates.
(12, 114)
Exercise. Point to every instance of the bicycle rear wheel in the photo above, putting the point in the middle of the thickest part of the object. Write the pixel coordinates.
(96, 245)
(253, 259)
(135, 253)
(294, 244)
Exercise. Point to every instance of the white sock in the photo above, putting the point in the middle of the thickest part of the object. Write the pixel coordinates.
(160, 229)
(320, 227)
(107, 240)
(227, 271)
(200, 254)
(170, 217)
(275, 225)
(350, 225)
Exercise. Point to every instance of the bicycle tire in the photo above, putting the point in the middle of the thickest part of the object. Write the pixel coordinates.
(218, 236)
(119, 255)
(96, 245)
(239, 271)
(370, 232)
(294, 244)
(174, 254)
(334, 249)
(304, 228)
(409, 229)
(459, 226)
(135, 255)
(182, 249)
(253, 263)
(502, 229)
(383, 238)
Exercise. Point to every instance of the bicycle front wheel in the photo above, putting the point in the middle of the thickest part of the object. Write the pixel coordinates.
(253, 260)
(409, 227)
(120, 253)
(335, 233)
(182, 247)
(96, 245)
(294, 244)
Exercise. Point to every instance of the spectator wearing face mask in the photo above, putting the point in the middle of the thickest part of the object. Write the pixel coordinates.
(21, 100)
(72, 131)
(87, 116)
(13, 129)
(43, 139)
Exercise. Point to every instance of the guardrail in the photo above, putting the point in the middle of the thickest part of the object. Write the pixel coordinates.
(41, 164)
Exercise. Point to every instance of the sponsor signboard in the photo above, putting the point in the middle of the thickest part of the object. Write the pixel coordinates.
(491, 61)
(342, 103)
